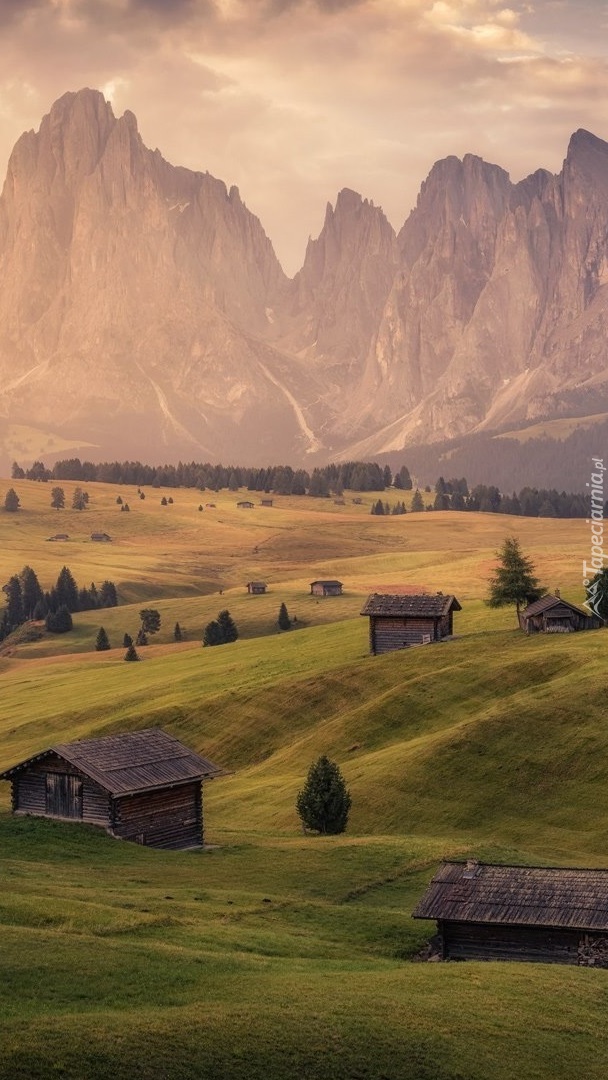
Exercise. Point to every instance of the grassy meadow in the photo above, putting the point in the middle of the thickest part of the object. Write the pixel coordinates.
(272, 954)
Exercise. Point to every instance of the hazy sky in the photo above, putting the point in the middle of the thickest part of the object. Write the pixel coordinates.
(292, 100)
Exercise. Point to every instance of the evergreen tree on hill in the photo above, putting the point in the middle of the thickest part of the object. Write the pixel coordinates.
(150, 620)
(67, 590)
(102, 642)
(57, 498)
(12, 501)
(60, 621)
(417, 502)
(227, 627)
(212, 635)
(284, 622)
(31, 593)
(131, 653)
(324, 803)
(15, 615)
(513, 581)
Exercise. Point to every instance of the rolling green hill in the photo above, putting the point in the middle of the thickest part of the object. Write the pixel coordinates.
(274, 954)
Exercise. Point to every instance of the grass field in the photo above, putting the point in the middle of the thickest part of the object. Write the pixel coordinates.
(272, 954)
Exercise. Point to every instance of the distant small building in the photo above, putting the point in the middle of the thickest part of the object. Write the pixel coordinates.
(245, 505)
(326, 588)
(256, 587)
(266, 502)
(101, 537)
(396, 621)
(489, 912)
(58, 536)
(143, 786)
(552, 615)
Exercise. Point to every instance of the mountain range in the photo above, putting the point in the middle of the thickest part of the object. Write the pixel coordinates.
(144, 313)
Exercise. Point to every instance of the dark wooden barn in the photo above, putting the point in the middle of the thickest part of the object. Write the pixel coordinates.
(326, 588)
(256, 587)
(245, 504)
(143, 786)
(487, 912)
(396, 622)
(552, 615)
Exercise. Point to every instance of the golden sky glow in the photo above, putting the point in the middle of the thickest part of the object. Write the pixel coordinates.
(292, 100)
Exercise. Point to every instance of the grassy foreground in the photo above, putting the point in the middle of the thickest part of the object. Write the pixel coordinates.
(272, 954)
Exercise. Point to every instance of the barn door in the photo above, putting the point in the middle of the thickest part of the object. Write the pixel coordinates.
(63, 795)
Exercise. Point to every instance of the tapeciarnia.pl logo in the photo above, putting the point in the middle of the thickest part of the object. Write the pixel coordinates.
(596, 521)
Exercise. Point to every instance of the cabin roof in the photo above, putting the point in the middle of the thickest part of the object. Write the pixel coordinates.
(414, 606)
(324, 582)
(546, 603)
(517, 895)
(259, 584)
(130, 763)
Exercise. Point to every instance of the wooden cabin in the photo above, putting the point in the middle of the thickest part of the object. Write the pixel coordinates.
(256, 587)
(326, 588)
(244, 504)
(396, 621)
(143, 786)
(101, 537)
(266, 502)
(486, 912)
(58, 536)
(552, 615)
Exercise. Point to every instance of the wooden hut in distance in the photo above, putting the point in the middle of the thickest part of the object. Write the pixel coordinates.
(326, 588)
(143, 786)
(256, 587)
(488, 912)
(396, 621)
(552, 615)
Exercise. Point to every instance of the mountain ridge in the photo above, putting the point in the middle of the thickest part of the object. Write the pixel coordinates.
(145, 313)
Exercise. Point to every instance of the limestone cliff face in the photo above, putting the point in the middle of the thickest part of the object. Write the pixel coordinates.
(498, 314)
(143, 311)
(126, 285)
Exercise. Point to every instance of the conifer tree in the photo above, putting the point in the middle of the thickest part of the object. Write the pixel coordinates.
(227, 627)
(284, 622)
(12, 501)
(14, 603)
(60, 621)
(141, 638)
(127, 640)
(31, 593)
(513, 581)
(177, 633)
(324, 803)
(67, 589)
(131, 653)
(150, 620)
(417, 502)
(102, 642)
(212, 634)
(57, 498)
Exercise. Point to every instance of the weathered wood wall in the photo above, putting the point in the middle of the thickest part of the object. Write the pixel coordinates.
(475, 941)
(29, 791)
(170, 818)
(388, 634)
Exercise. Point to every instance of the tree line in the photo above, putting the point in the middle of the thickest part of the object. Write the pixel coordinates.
(27, 601)
(281, 479)
(333, 479)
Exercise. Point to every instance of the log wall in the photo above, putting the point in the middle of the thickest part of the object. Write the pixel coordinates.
(29, 791)
(474, 941)
(388, 634)
(170, 818)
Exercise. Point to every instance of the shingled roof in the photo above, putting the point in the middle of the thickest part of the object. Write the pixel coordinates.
(130, 763)
(517, 895)
(415, 606)
(546, 603)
